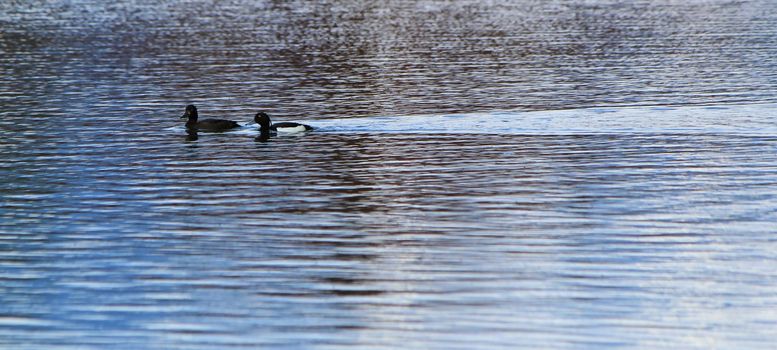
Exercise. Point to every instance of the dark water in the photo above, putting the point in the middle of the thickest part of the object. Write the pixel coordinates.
(488, 174)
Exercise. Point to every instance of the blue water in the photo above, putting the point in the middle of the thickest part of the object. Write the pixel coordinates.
(483, 175)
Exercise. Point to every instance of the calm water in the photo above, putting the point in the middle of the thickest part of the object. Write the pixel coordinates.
(485, 174)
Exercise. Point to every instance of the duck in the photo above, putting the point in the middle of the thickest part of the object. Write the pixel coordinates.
(266, 125)
(206, 124)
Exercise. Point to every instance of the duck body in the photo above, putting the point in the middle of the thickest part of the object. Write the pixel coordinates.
(267, 126)
(212, 124)
(206, 124)
(290, 127)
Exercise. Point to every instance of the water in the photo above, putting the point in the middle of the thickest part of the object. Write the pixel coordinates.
(484, 175)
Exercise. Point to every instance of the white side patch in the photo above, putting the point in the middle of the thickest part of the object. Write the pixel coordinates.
(299, 128)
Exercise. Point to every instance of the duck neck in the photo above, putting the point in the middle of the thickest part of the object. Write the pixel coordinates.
(192, 122)
(264, 131)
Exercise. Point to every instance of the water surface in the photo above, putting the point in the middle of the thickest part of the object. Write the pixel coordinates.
(484, 175)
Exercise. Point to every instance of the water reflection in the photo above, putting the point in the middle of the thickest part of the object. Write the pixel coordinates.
(191, 135)
(355, 58)
(350, 237)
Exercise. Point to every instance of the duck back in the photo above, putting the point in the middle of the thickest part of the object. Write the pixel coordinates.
(215, 124)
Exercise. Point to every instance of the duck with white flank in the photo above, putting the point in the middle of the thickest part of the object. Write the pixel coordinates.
(267, 127)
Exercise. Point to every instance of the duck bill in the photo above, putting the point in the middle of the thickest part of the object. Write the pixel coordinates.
(185, 116)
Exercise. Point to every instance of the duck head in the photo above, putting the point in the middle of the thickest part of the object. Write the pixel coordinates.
(263, 120)
(190, 113)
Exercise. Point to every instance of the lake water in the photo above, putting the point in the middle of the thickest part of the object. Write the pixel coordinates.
(484, 175)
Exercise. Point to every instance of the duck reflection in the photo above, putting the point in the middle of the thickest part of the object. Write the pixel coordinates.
(263, 137)
(191, 135)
